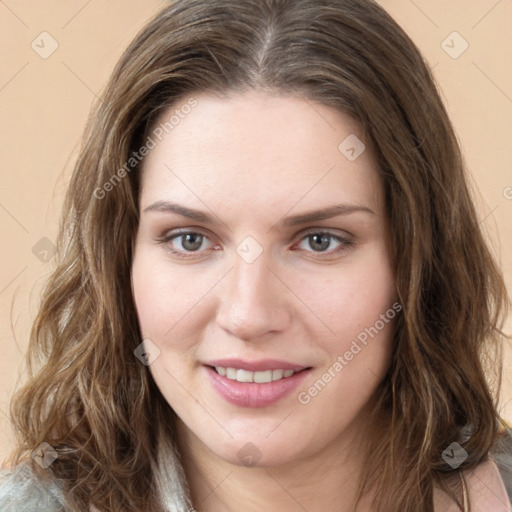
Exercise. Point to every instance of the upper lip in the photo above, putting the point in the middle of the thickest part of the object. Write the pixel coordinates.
(256, 366)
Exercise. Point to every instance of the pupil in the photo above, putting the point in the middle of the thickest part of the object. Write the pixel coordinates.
(191, 245)
(324, 241)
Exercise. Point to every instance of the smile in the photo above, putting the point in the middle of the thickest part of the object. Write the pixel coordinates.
(254, 384)
(260, 377)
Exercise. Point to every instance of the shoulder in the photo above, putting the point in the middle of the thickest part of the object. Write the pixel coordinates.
(486, 488)
(502, 456)
(490, 484)
(21, 490)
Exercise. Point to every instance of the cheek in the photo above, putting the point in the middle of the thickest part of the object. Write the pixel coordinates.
(360, 307)
(159, 304)
(169, 301)
(154, 294)
(354, 298)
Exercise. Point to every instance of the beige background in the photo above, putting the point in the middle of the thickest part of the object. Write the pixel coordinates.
(44, 103)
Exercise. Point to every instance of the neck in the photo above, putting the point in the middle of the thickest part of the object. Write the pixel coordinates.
(327, 480)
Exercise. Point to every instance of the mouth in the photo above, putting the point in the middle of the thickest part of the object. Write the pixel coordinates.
(255, 384)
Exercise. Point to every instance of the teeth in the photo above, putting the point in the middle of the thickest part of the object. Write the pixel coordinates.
(259, 377)
(244, 376)
(277, 374)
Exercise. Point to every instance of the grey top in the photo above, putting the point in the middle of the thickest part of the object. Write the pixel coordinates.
(22, 491)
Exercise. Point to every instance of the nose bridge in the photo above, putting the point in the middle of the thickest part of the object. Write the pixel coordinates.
(250, 280)
(253, 301)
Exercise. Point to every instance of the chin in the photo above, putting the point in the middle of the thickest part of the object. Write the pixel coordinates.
(258, 453)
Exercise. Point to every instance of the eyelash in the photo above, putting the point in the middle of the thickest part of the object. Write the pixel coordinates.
(168, 237)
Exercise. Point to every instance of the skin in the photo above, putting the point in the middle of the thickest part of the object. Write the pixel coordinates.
(249, 160)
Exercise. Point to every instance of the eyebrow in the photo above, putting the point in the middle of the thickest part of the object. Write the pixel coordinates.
(293, 220)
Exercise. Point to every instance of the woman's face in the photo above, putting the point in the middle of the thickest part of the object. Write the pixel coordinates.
(262, 251)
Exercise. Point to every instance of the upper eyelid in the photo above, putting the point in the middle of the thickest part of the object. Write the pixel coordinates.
(304, 232)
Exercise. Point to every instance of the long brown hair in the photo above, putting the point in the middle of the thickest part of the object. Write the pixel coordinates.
(96, 404)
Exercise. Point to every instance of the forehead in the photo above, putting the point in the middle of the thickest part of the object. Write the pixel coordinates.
(258, 149)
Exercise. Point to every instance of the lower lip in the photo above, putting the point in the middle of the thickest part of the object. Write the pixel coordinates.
(250, 394)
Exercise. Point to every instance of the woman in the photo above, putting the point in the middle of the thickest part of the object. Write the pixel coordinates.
(273, 292)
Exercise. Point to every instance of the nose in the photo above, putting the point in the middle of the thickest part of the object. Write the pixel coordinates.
(254, 301)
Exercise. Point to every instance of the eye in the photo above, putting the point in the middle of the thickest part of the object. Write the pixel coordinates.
(191, 244)
(181, 243)
(321, 241)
